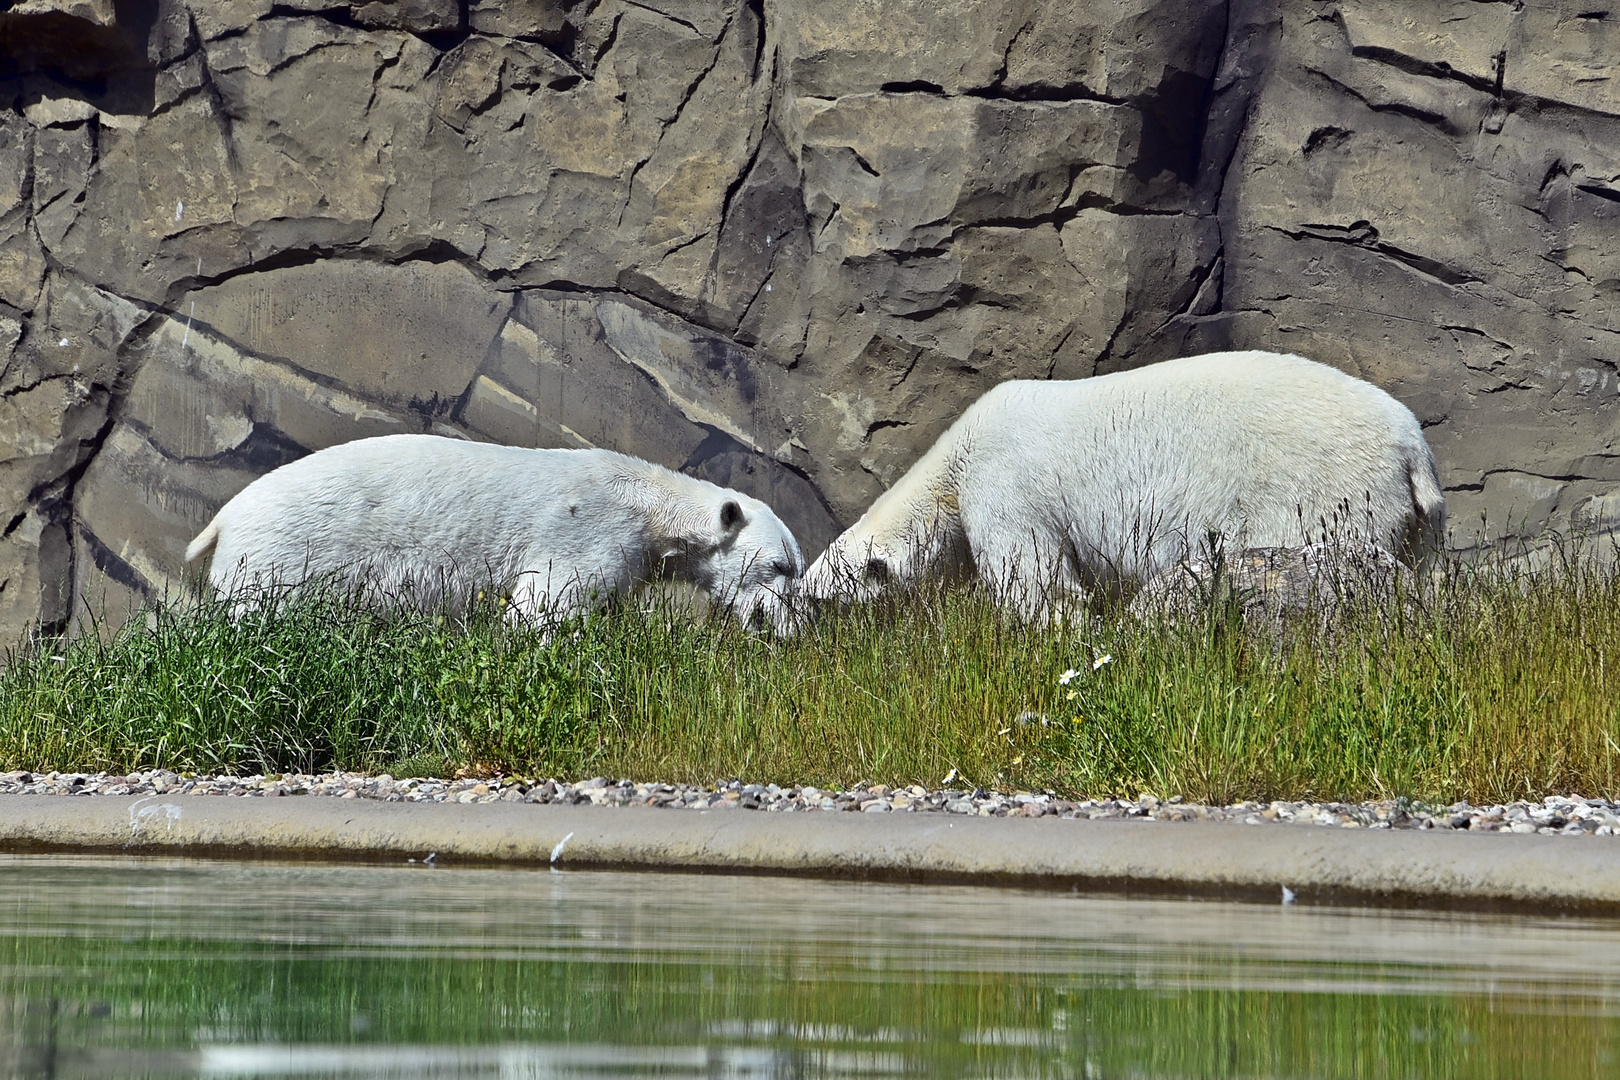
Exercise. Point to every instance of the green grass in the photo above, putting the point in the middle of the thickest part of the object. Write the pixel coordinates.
(1492, 682)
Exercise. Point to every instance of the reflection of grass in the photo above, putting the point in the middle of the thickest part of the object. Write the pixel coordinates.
(162, 992)
(1493, 684)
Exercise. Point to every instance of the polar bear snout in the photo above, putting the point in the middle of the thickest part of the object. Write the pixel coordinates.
(855, 571)
(778, 607)
(757, 575)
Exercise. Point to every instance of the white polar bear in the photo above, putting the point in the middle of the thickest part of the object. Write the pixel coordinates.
(435, 520)
(1049, 491)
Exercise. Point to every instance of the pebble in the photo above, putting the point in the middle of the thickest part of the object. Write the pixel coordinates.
(1556, 815)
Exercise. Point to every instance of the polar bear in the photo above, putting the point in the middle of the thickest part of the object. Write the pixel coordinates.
(1050, 491)
(435, 520)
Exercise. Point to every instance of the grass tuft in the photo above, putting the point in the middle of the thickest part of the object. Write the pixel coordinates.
(1489, 682)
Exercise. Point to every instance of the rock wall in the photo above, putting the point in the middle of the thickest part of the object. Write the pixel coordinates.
(779, 245)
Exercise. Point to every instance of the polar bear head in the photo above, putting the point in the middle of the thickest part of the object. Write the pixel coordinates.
(738, 551)
(893, 545)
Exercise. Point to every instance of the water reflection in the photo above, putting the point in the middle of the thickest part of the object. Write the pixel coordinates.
(144, 967)
(516, 1062)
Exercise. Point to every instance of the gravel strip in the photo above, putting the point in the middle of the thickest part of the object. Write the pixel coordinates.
(1566, 816)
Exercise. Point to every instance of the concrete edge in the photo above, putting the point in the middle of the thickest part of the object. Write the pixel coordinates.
(1387, 867)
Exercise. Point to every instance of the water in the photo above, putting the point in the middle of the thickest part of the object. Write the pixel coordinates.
(156, 967)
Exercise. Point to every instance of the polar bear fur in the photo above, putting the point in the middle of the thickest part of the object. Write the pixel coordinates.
(1049, 491)
(435, 520)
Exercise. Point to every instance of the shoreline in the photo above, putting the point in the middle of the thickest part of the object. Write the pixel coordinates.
(1390, 867)
(1560, 815)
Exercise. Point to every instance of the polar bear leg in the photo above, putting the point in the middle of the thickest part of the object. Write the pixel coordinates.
(531, 603)
(540, 599)
(1030, 577)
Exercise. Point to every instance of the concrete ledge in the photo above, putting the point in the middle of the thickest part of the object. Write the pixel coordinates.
(1317, 864)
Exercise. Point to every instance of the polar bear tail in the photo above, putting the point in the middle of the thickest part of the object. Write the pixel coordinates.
(205, 540)
(1428, 530)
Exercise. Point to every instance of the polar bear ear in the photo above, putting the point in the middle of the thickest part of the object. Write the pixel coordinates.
(731, 518)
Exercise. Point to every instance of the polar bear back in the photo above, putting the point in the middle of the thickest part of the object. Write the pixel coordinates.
(1133, 466)
(438, 513)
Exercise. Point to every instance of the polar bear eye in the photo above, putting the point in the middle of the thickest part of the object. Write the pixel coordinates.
(877, 570)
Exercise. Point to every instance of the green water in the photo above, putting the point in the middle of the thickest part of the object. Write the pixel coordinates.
(149, 967)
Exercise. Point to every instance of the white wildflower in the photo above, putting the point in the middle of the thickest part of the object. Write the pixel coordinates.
(1065, 678)
(1102, 659)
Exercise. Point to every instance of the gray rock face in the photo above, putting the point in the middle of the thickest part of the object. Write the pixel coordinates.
(777, 245)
